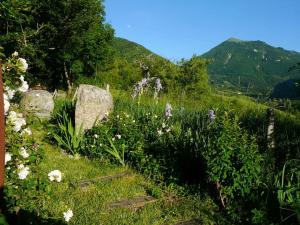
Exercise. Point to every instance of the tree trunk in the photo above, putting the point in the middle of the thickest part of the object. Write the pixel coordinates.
(69, 83)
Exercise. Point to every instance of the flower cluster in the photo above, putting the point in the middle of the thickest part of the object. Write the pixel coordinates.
(16, 120)
(20, 66)
(138, 88)
(22, 155)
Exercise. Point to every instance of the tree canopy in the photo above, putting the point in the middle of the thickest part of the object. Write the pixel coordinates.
(62, 39)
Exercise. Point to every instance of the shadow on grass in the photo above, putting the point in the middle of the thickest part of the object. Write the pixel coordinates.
(30, 218)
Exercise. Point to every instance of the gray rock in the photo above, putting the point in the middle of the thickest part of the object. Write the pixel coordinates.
(38, 102)
(93, 104)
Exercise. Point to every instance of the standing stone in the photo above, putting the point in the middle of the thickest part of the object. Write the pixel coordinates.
(38, 102)
(93, 104)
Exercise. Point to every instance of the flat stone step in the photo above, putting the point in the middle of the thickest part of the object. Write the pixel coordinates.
(85, 183)
(190, 222)
(135, 203)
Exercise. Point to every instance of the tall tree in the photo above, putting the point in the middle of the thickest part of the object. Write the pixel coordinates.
(194, 75)
(63, 39)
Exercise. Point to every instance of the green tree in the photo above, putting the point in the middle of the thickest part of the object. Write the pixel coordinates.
(194, 77)
(63, 39)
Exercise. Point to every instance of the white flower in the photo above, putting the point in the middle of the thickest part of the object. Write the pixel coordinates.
(6, 103)
(15, 54)
(113, 139)
(68, 215)
(168, 111)
(17, 120)
(23, 153)
(163, 125)
(22, 65)
(168, 130)
(26, 131)
(118, 136)
(10, 93)
(159, 132)
(96, 136)
(133, 121)
(7, 157)
(23, 171)
(24, 87)
(55, 175)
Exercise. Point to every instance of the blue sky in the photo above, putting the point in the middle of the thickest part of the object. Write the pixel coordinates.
(178, 29)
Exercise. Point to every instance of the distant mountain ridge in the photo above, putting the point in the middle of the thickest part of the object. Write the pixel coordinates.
(252, 67)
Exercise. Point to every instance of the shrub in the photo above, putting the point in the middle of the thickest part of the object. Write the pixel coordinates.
(233, 160)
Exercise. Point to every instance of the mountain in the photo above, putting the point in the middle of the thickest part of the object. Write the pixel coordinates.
(129, 50)
(252, 67)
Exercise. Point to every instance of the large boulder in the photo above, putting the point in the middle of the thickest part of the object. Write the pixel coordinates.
(93, 105)
(38, 102)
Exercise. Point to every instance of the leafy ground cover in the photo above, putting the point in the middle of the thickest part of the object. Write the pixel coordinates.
(90, 205)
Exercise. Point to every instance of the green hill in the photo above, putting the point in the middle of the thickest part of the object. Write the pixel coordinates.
(129, 50)
(251, 67)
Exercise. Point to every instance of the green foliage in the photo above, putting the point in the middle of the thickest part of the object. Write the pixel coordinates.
(233, 160)
(287, 183)
(252, 67)
(61, 40)
(63, 127)
(68, 137)
(194, 75)
(118, 155)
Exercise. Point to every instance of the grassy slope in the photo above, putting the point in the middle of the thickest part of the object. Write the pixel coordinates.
(90, 205)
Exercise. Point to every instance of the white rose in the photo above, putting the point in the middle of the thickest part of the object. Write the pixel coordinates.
(7, 157)
(23, 171)
(22, 65)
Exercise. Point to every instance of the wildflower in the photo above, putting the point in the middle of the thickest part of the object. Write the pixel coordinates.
(55, 175)
(168, 110)
(23, 171)
(118, 136)
(22, 65)
(6, 103)
(157, 87)
(7, 157)
(24, 86)
(211, 114)
(23, 153)
(96, 136)
(163, 125)
(139, 87)
(113, 139)
(68, 215)
(133, 121)
(168, 129)
(26, 131)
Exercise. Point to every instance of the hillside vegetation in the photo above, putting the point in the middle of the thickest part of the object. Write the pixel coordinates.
(251, 67)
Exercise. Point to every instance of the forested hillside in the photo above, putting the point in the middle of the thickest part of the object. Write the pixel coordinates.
(251, 67)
